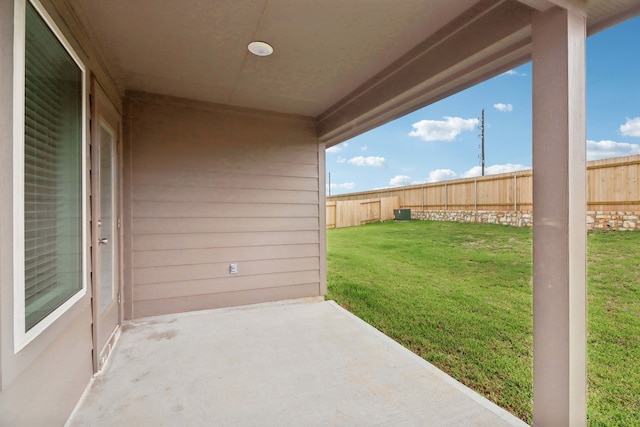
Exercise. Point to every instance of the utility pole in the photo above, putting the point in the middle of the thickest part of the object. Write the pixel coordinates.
(482, 143)
(329, 184)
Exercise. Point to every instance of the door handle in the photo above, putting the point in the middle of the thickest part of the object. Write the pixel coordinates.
(103, 241)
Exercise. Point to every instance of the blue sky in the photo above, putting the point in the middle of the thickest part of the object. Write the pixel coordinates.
(441, 141)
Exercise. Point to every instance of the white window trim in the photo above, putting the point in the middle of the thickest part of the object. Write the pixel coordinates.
(20, 337)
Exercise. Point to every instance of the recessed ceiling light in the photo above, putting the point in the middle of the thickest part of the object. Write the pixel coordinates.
(260, 48)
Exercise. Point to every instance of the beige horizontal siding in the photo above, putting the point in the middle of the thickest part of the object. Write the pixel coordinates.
(223, 180)
(228, 284)
(210, 187)
(224, 210)
(287, 164)
(220, 225)
(223, 299)
(220, 270)
(226, 254)
(221, 195)
(253, 160)
(153, 242)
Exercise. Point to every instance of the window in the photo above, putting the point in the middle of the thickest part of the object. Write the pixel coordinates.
(49, 166)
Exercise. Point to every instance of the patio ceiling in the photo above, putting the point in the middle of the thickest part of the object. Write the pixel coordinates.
(351, 65)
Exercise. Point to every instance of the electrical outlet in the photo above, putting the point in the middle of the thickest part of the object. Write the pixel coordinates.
(233, 268)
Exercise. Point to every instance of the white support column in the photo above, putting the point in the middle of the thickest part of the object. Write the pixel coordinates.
(559, 212)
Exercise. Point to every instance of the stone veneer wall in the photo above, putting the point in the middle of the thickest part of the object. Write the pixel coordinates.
(622, 221)
(596, 220)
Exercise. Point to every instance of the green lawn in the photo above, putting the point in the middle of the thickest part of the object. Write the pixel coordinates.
(459, 295)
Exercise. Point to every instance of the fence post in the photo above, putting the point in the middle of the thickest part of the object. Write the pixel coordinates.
(475, 194)
(403, 199)
(446, 207)
(515, 193)
(422, 198)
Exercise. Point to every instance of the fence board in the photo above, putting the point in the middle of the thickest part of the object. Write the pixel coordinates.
(612, 185)
(350, 213)
(331, 214)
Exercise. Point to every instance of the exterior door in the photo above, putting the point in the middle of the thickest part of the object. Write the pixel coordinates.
(105, 126)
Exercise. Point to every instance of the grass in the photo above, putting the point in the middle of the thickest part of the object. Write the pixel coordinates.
(459, 295)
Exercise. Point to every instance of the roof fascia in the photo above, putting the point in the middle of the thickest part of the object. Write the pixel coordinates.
(481, 43)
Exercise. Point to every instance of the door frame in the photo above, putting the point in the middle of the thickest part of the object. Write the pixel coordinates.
(101, 108)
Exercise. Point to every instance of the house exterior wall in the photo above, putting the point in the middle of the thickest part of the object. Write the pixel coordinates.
(204, 186)
(41, 383)
(207, 186)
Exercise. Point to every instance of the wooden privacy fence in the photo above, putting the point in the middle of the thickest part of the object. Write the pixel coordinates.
(612, 185)
(357, 212)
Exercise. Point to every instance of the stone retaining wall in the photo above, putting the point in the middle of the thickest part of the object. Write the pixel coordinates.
(613, 220)
(596, 220)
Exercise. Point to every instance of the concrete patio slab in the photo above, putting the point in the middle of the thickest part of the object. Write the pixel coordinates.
(303, 363)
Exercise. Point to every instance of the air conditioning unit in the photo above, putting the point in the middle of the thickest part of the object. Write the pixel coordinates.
(402, 214)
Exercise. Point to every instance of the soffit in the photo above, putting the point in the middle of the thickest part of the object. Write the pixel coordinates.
(602, 14)
(349, 64)
(197, 48)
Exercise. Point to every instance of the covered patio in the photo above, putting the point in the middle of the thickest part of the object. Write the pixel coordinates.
(151, 166)
(292, 363)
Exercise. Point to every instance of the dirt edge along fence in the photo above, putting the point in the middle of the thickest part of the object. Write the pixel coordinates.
(613, 197)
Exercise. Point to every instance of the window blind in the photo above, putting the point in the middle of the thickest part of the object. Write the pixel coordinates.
(52, 172)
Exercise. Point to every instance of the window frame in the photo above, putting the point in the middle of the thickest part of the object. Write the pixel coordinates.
(20, 337)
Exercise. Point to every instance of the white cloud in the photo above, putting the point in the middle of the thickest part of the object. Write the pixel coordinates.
(597, 150)
(400, 180)
(438, 175)
(367, 161)
(337, 148)
(631, 127)
(364, 148)
(442, 130)
(513, 73)
(493, 170)
(341, 160)
(344, 185)
(505, 108)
